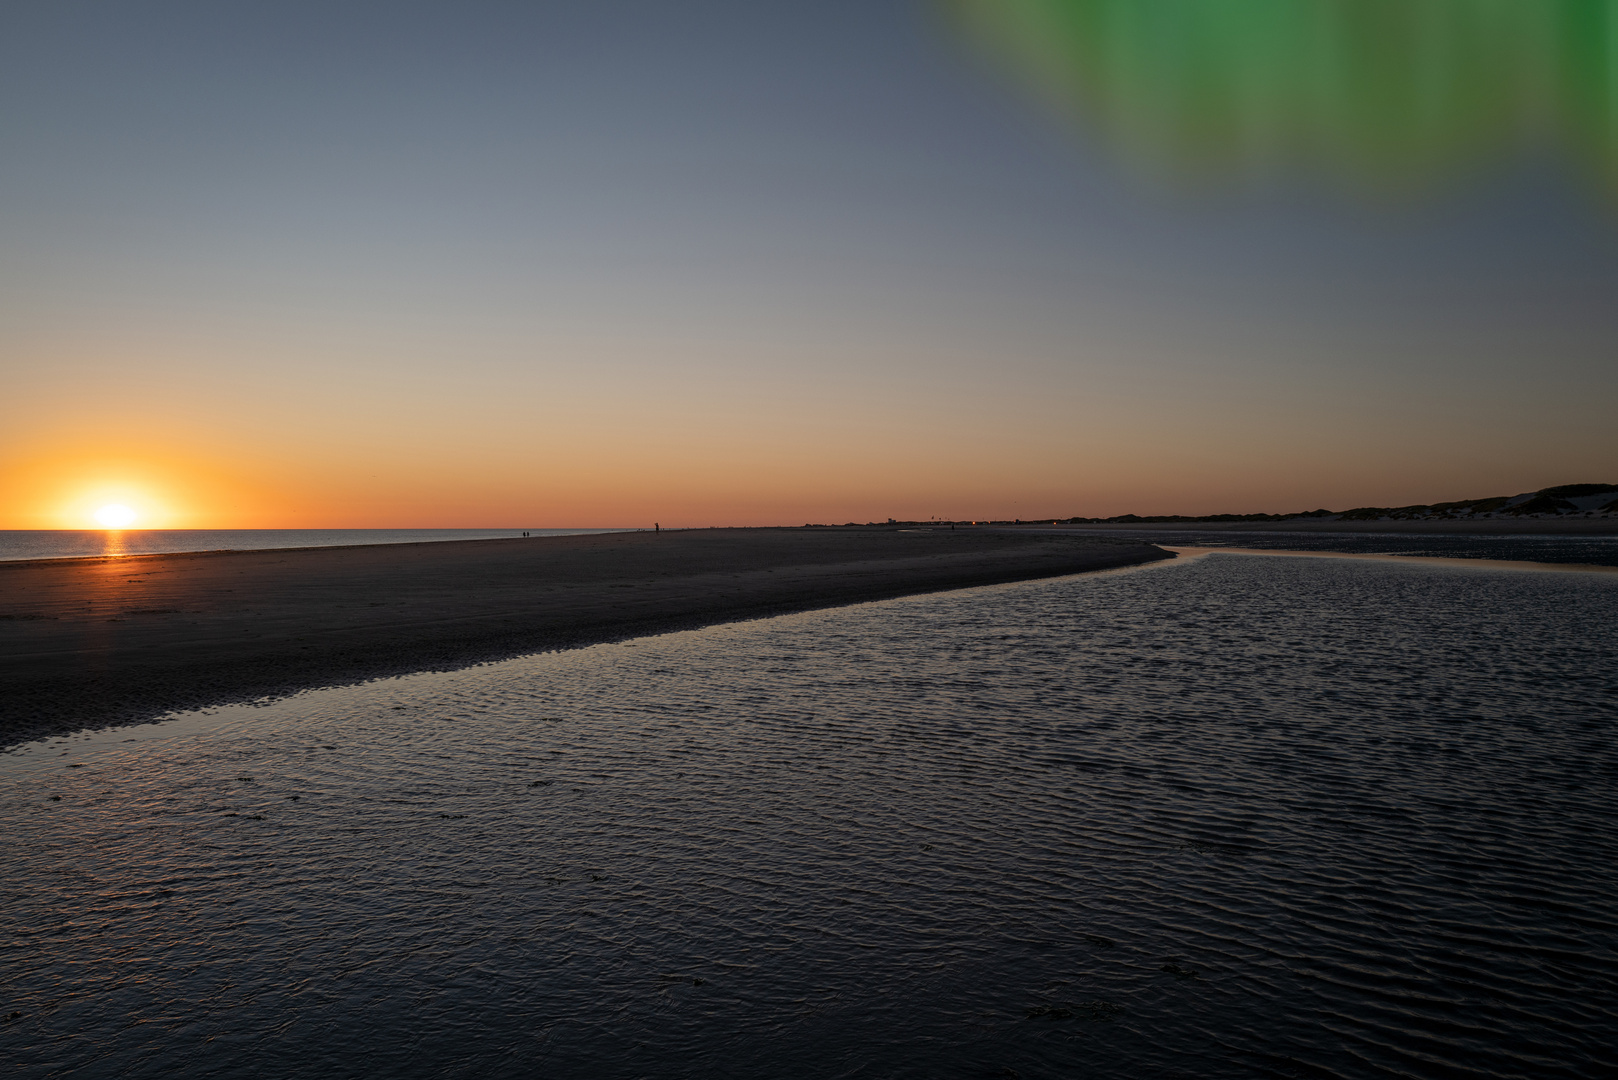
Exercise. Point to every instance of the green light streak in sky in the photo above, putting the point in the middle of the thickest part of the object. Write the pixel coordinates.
(1382, 96)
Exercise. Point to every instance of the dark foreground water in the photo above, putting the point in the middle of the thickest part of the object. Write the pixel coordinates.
(87, 543)
(1230, 817)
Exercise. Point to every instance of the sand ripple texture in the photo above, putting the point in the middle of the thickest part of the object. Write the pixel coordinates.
(1228, 817)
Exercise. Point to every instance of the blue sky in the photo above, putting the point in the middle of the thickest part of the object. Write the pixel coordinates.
(775, 262)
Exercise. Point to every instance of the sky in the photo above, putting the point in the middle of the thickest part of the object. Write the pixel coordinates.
(348, 264)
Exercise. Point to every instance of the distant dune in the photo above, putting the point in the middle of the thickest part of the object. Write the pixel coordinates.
(1564, 503)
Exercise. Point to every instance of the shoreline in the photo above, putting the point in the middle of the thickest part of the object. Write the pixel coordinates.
(104, 641)
(1570, 526)
(1520, 565)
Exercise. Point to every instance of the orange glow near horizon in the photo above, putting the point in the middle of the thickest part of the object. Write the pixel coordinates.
(569, 481)
(111, 504)
(689, 445)
(116, 516)
(110, 491)
(746, 459)
(816, 263)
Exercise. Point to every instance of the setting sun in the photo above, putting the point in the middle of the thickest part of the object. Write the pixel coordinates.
(102, 489)
(115, 516)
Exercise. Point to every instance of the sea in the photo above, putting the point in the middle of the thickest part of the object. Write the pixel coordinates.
(1228, 816)
(89, 543)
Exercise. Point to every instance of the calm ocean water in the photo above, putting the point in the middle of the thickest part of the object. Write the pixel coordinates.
(1235, 816)
(77, 543)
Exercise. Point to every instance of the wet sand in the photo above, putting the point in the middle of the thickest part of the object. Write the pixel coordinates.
(91, 642)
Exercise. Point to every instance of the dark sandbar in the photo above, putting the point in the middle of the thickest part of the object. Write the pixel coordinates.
(91, 642)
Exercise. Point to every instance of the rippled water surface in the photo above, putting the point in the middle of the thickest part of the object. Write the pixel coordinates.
(1227, 817)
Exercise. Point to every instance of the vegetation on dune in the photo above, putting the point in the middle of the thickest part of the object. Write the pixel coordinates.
(1551, 500)
(1577, 491)
(1162, 518)
(1541, 504)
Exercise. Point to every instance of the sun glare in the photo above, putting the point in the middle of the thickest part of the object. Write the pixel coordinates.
(115, 516)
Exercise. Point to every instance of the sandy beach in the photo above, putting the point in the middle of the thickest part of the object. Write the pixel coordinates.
(90, 642)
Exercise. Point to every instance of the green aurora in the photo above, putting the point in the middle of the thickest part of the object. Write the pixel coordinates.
(1382, 97)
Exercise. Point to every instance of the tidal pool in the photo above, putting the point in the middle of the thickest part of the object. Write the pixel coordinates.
(1232, 816)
